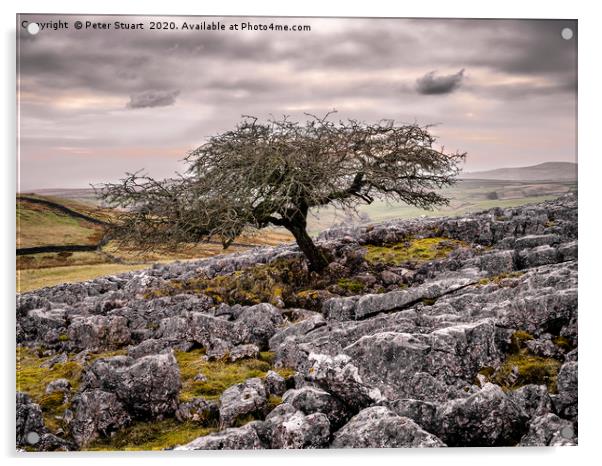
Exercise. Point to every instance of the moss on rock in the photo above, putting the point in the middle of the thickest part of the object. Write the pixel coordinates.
(412, 250)
(524, 369)
(351, 285)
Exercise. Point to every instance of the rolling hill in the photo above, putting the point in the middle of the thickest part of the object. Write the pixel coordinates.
(548, 171)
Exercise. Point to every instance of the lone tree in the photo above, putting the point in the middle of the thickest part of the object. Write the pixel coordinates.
(274, 173)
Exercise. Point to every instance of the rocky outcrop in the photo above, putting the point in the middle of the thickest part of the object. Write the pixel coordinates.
(566, 400)
(475, 346)
(198, 410)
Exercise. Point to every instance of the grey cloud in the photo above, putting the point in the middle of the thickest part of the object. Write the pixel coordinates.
(152, 98)
(78, 84)
(430, 83)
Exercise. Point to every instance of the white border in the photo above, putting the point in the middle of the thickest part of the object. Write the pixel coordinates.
(589, 224)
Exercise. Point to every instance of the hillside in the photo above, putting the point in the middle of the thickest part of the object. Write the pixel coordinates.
(42, 224)
(450, 331)
(548, 171)
(61, 240)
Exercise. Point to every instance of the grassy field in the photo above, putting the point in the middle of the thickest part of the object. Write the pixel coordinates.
(40, 225)
(465, 197)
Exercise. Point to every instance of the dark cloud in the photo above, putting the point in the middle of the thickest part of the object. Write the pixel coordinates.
(148, 99)
(430, 83)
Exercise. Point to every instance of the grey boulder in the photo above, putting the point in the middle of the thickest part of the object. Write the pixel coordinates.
(96, 414)
(487, 418)
(314, 400)
(379, 427)
(549, 430)
(238, 438)
(290, 428)
(148, 386)
(244, 399)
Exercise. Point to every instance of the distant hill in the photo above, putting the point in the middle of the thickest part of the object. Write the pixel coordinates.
(548, 171)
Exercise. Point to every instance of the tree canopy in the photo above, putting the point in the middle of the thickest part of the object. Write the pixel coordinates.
(274, 173)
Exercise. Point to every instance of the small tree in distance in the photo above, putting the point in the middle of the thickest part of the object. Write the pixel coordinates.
(274, 173)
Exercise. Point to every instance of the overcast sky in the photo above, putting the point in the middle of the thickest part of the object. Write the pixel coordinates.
(95, 104)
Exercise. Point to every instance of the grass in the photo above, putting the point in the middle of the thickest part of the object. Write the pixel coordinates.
(523, 369)
(353, 286)
(32, 379)
(152, 435)
(563, 342)
(59, 259)
(220, 374)
(413, 250)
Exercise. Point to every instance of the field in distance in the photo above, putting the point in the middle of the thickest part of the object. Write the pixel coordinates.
(466, 196)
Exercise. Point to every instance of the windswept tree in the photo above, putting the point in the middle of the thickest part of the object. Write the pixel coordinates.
(277, 172)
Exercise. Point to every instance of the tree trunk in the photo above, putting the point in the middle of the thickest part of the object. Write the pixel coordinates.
(317, 260)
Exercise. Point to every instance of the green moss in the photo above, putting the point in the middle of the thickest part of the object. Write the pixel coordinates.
(523, 369)
(63, 337)
(274, 401)
(563, 343)
(152, 435)
(429, 301)
(267, 356)
(413, 250)
(221, 374)
(350, 285)
(285, 372)
(308, 294)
